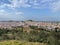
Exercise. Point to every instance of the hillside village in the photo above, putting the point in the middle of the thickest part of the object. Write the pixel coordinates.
(47, 25)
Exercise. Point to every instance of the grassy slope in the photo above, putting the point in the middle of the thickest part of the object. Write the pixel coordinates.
(16, 42)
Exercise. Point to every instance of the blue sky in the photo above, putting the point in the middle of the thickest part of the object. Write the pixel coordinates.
(39, 10)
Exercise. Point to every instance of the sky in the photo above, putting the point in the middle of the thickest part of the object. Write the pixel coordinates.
(39, 10)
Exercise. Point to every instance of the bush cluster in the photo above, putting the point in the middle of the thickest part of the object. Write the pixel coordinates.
(42, 36)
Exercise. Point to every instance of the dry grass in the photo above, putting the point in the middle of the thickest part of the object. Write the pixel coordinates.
(16, 42)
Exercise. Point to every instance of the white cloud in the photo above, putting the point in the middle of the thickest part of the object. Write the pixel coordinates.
(2, 10)
(19, 13)
(11, 16)
(19, 3)
(54, 5)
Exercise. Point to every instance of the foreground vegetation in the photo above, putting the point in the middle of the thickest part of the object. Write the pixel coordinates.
(17, 42)
(36, 36)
